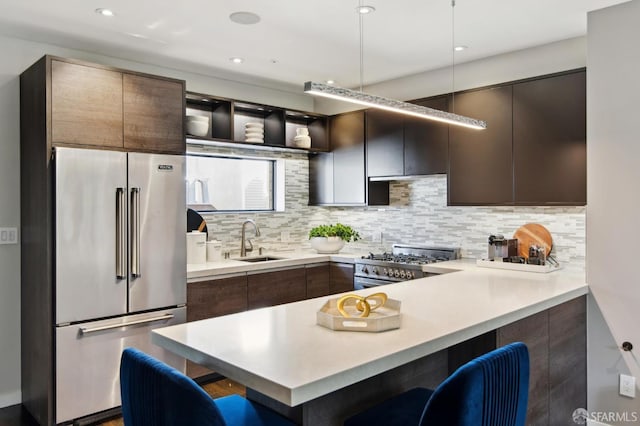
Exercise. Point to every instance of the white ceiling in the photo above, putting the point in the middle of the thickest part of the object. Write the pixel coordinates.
(299, 40)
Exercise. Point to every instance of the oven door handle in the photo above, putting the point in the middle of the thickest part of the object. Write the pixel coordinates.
(368, 282)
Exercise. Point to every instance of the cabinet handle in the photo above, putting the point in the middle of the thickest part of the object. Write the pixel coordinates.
(121, 234)
(135, 232)
(87, 330)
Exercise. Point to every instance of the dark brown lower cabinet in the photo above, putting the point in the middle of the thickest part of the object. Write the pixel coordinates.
(276, 287)
(341, 277)
(557, 344)
(318, 280)
(556, 339)
(236, 293)
(557, 349)
(214, 298)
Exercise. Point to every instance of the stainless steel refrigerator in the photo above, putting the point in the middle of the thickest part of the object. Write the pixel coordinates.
(120, 268)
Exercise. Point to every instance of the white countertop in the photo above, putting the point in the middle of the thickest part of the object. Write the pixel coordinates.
(282, 353)
(292, 258)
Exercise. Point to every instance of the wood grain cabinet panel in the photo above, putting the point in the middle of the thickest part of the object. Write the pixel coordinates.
(550, 140)
(556, 339)
(153, 114)
(86, 105)
(534, 332)
(568, 360)
(480, 161)
(318, 280)
(214, 298)
(341, 277)
(276, 287)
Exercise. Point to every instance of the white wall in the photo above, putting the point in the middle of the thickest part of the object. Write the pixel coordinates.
(546, 59)
(17, 55)
(613, 155)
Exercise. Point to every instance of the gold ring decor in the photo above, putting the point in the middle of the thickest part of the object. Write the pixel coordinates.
(362, 303)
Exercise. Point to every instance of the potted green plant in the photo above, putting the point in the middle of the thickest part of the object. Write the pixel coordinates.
(331, 238)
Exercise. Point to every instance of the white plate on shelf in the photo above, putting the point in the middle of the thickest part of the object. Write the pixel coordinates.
(254, 135)
(254, 126)
(254, 140)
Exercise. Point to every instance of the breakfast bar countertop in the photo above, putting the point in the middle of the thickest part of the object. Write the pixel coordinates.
(281, 352)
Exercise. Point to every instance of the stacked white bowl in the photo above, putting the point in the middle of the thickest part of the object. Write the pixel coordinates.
(254, 132)
(197, 125)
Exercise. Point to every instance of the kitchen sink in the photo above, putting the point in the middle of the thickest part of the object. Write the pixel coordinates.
(259, 259)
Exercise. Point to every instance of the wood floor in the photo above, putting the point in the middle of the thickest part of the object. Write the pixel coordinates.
(16, 416)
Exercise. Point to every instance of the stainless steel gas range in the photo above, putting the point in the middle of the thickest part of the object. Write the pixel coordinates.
(403, 263)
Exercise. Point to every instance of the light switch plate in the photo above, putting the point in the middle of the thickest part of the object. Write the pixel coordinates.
(627, 386)
(8, 235)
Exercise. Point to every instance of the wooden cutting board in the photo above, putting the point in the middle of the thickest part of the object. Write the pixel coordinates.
(530, 234)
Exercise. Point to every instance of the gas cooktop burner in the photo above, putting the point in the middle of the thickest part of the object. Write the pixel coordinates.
(403, 263)
(408, 259)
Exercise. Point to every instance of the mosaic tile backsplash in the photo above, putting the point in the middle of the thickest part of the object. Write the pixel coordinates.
(418, 213)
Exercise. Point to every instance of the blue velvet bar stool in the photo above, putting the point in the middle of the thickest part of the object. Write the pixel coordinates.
(491, 390)
(155, 394)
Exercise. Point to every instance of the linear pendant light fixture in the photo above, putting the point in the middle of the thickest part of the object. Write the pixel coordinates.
(379, 102)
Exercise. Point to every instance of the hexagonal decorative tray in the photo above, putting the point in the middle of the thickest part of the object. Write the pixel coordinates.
(386, 317)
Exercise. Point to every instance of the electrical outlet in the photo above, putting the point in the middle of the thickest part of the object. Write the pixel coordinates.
(627, 386)
(285, 236)
(8, 235)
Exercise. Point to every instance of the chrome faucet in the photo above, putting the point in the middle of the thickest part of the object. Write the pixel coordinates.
(243, 246)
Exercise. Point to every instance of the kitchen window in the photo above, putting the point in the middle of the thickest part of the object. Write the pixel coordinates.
(218, 183)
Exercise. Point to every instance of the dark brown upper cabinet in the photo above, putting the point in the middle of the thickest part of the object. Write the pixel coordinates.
(86, 105)
(153, 114)
(480, 161)
(347, 147)
(399, 145)
(385, 143)
(339, 176)
(549, 140)
(105, 107)
(426, 142)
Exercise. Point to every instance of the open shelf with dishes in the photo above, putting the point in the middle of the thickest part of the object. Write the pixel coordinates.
(211, 118)
(256, 123)
(316, 126)
(208, 117)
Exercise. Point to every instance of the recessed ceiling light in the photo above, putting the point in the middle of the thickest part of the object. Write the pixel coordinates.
(330, 81)
(244, 18)
(460, 48)
(363, 10)
(236, 60)
(104, 12)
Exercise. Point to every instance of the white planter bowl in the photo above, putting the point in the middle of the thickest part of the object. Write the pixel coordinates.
(327, 245)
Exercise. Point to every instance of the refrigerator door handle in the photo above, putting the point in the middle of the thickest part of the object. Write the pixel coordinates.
(135, 232)
(121, 234)
(87, 330)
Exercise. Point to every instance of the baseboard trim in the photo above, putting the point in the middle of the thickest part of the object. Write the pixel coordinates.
(9, 399)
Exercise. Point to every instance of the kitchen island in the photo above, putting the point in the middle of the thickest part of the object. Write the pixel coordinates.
(286, 360)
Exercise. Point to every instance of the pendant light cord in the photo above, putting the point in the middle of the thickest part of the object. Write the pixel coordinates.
(453, 56)
(361, 44)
